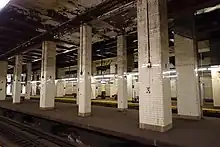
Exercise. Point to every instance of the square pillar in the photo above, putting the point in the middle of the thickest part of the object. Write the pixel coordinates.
(216, 86)
(113, 85)
(130, 86)
(122, 72)
(93, 86)
(48, 69)
(60, 91)
(188, 97)
(78, 74)
(153, 53)
(16, 94)
(84, 79)
(28, 82)
(34, 85)
(3, 79)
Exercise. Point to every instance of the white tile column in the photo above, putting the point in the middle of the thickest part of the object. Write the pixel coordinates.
(129, 86)
(188, 97)
(3, 79)
(85, 55)
(28, 82)
(78, 74)
(153, 52)
(16, 94)
(216, 86)
(93, 86)
(60, 91)
(113, 85)
(48, 69)
(34, 85)
(122, 72)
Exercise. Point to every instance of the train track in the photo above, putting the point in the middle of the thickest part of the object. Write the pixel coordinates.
(25, 136)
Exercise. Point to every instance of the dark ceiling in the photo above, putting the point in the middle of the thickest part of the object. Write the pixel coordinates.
(24, 24)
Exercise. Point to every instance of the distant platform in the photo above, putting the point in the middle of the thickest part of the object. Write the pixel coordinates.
(208, 108)
(185, 133)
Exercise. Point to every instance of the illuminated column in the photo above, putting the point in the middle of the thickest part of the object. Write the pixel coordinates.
(122, 71)
(48, 69)
(3, 79)
(93, 81)
(85, 55)
(153, 53)
(17, 79)
(60, 91)
(9, 86)
(78, 75)
(216, 86)
(129, 87)
(188, 99)
(34, 85)
(93, 85)
(28, 82)
(113, 85)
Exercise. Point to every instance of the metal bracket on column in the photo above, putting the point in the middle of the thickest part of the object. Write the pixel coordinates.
(149, 65)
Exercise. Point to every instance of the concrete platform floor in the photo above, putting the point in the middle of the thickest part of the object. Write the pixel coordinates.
(186, 133)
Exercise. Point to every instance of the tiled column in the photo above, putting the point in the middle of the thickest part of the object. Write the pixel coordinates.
(153, 52)
(129, 86)
(93, 86)
(85, 54)
(130, 67)
(122, 71)
(60, 91)
(188, 99)
(113, 85)
(78, 75)
(17, 79)
(48, 69)
(216, 86)
(28, 82)
(34, 85)
(3, 79)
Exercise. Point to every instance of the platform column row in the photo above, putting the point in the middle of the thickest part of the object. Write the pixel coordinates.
(48, 69)
(153, 52)
(84, 79)
(16, 93)
(3, 79)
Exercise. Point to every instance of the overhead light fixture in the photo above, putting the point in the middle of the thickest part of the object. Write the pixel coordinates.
(3, 3)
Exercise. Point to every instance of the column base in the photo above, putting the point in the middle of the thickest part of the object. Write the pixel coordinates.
(46, 108)
(156, 128)
(84, 114)
(122, 109)
(189, 117)
(16, 103)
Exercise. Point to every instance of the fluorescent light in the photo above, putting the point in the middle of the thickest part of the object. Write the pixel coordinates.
(3, 3)
(209, 9)
(169, 72)
(202, 69)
